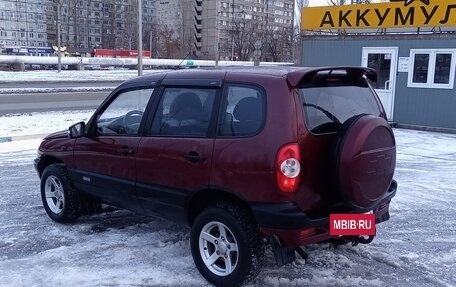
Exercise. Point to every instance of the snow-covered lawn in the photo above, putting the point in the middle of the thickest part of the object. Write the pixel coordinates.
(12, 125)
(417, 247)
(71, 76)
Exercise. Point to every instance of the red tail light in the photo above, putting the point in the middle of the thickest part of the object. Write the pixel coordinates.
(288, 168)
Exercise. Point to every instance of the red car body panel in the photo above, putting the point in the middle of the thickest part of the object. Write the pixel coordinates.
(162, 164)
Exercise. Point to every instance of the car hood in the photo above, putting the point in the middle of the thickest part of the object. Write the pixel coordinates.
(57, 135)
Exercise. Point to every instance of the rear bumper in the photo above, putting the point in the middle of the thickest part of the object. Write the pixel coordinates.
(295, 227)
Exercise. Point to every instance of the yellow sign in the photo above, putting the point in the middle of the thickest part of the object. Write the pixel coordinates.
(394, 14)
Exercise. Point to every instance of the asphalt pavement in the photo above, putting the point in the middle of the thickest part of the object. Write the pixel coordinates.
(56, 84)
(52, 96)
(43, 102)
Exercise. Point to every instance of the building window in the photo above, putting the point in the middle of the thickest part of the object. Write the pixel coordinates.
(432, 68)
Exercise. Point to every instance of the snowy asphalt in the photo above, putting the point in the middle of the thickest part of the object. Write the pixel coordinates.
(417, 247)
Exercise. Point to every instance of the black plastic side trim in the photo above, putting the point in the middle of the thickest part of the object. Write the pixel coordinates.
(164, 202)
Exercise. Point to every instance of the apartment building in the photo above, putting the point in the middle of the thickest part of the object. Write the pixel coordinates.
(169, 14)
(223, 29)
(167, 31)
(228, 29)
(83, 23)
(110, 24)
(22, 23)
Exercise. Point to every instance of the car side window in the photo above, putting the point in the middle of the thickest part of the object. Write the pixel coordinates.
(123, 116)
(243, 111)
(184, 112)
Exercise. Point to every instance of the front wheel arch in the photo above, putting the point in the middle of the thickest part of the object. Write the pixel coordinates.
(46, 161)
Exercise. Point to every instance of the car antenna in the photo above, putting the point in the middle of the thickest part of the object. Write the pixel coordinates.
(185, 58)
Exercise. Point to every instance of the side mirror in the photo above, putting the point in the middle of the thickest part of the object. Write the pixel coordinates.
(77, 130)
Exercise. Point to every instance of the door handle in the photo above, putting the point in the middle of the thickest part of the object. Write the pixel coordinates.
(388, 85)
(194, 157)
(125, 150)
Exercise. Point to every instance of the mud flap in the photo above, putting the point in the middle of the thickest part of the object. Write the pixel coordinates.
(283, 254)
(383, 218)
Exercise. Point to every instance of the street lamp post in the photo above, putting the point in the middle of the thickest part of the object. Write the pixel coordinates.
(150, 43)
(217, 36)
(140, 65)
(232, 36)
(232, 48)
(59, 56)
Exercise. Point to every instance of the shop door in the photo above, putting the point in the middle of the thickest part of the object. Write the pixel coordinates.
(384, 61)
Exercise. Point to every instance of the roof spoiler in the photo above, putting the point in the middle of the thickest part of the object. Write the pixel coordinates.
(298, 77)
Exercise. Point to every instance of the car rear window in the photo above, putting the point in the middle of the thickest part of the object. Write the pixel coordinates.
(327, 103)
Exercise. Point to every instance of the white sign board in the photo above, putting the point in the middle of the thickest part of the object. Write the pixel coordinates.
(403, 65)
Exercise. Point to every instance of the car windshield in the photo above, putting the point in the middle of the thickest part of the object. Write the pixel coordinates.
(326, 106)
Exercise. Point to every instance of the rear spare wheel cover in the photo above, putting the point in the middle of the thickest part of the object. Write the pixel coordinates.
(366, 158)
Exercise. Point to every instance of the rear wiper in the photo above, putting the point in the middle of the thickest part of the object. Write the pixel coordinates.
(326, 112)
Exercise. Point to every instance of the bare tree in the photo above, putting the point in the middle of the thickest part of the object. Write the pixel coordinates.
(244, 33)
(299, 5)
(129, 23)
(168, 45)
(297, 40)
(343, 2)
(108, 28)
(187, 44)
(337, 2)
(277, 44)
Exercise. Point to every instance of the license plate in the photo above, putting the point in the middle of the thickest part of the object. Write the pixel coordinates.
(352, 224)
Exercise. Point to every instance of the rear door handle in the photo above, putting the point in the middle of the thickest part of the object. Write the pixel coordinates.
(125, 150)
(194, 157)
(388, 85)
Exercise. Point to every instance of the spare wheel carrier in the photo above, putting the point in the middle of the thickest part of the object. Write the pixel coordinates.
(365, 160)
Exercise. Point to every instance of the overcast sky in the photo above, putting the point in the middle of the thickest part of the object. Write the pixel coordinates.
(318, 3)
(325, 2)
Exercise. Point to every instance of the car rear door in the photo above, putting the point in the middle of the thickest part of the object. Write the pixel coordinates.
(105, 158)
(174, 158)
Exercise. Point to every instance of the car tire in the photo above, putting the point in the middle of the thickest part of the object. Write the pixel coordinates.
(226, 245)
(58, 194)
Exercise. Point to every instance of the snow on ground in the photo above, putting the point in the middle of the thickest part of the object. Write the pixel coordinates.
(54, 90)
(12, 125)
(75, 77)
(71, 76)
(416, 247)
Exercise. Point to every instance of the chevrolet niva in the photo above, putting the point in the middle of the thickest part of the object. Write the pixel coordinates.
(246, 157)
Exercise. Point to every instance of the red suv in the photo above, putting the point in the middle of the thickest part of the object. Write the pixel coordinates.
(243, 156)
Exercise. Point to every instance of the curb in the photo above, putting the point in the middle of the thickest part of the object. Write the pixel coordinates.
(24, 137)
(5, 139)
